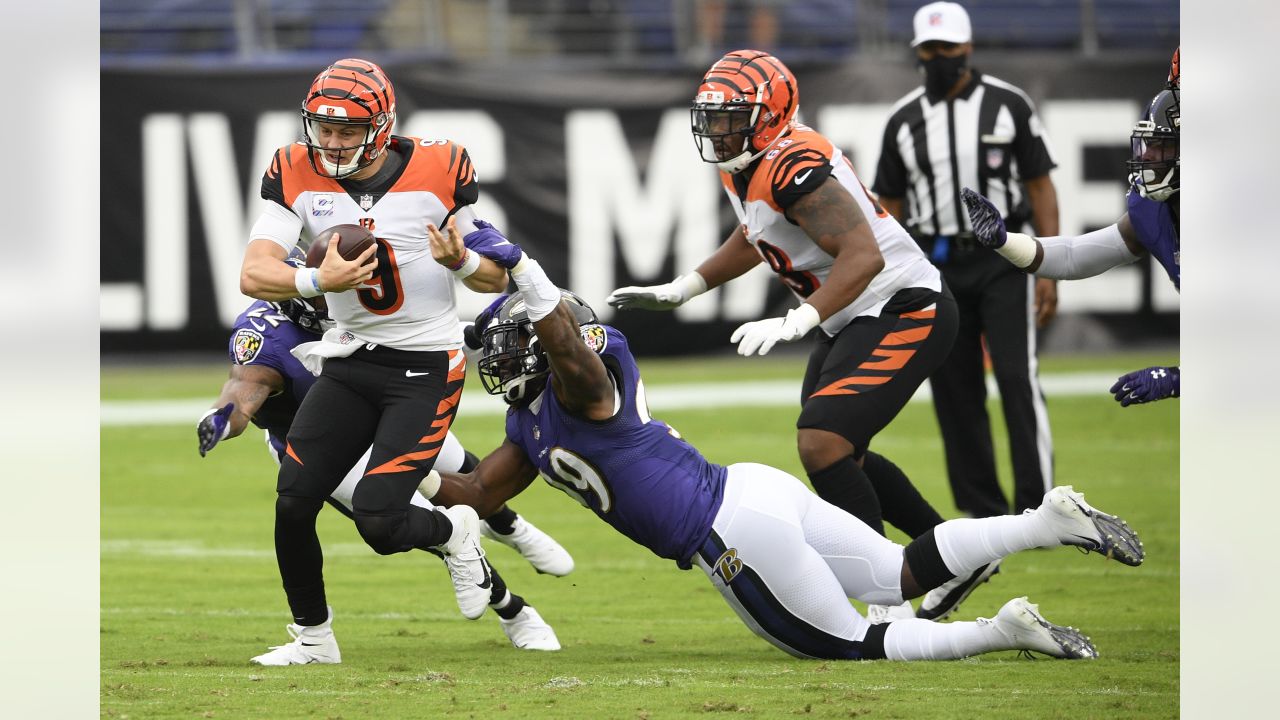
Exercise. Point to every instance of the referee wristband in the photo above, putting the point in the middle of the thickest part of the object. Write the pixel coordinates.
(307, 281)
(1019, 249)
(467, 266)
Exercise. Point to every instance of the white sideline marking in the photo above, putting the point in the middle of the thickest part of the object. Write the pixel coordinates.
(690, 396)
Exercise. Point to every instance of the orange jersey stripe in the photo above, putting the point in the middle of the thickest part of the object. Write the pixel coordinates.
(297, 176)
(435, 169)
(841, 386)
(893, 359)
(399, 464)
(925, 314)
(903, 337)
(288, 450)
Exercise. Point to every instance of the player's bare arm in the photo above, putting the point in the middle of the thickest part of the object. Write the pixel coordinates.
(578, 376)
(448, 249)
(732, 259)
(264, 275)
(500, 476)
(248, 387)
(893, 206)
(832, 219)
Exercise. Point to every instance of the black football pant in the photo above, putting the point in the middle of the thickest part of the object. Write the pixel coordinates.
(402, 404)
(995, 300)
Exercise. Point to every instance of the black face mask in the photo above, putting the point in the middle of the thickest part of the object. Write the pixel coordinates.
(942, 73)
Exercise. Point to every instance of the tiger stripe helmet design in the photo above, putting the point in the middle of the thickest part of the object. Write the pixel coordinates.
(354, 93)
(747, 102)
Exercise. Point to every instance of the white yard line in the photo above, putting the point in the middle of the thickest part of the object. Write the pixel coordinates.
(759, 393)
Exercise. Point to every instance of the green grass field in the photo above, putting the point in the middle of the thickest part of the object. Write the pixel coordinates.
(190, 590)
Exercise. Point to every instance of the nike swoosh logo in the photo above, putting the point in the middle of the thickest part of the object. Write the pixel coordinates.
(803, 176)
(487, 581)
(255, 324)
(410, 373)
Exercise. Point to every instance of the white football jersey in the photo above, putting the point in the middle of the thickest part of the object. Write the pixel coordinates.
(409, 303)
(799, 163)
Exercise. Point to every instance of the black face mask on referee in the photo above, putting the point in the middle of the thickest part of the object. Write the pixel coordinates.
(941, 73)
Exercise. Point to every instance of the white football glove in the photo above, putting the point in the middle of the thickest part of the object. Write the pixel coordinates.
(658, 297)
(762, 335)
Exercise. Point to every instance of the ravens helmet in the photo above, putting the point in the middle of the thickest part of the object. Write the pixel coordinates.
(307, 313)
(511, 359)
(1154, 162)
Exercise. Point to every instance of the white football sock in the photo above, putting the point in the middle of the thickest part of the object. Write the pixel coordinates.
(914, 639)
(966, 545)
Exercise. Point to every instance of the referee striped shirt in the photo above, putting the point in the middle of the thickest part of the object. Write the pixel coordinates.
(988, 138)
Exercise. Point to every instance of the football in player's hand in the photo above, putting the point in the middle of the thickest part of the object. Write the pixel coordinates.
(352, 240)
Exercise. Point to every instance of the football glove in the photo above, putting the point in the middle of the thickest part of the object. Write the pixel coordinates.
(658, 297)
(762, 335)
(214, 426)
(488, 242)
(1144, 386)
(988, 226)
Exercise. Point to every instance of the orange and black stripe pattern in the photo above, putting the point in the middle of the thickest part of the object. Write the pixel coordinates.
(355, 81)
(428, 446)
(744, 73)
(893, 352)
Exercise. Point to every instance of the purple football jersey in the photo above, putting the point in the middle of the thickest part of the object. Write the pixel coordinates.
(1157, 232)
(635, 472)
(264, 336)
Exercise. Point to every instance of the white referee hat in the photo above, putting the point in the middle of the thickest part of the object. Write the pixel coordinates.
(945, 21)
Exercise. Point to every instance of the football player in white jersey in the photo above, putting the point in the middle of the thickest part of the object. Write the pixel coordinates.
(391, 372)
(886, 321)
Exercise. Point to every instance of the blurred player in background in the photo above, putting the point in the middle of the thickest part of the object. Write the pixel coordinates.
(784, 559)
(1150, 225)
(266, 386)
(886, 319)
(392, 371)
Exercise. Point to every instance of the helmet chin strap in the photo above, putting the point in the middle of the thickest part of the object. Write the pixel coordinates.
(737, 164)
(1152, 190)
(517, 391)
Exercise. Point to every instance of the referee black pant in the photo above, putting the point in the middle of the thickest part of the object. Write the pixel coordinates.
(995, 300)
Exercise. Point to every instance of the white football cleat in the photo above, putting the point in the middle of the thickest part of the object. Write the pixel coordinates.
(878, 614)
(310, 644)
(943, 600)
(1077, 523)
(470, 572)
(1021, 622)
(540, 549)
(528, 631)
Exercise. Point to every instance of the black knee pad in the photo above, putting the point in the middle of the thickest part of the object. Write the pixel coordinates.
(379, 532)
(292, 511)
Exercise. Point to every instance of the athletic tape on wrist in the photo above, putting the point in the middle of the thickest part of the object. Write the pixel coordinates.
(541, 296)
(1019, 249)
(430, 485)
(691, 285)
(467, 266)
(307, 282)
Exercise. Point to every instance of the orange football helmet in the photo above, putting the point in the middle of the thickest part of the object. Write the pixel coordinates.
(354, 93)
(747, 101)
(1174, 77)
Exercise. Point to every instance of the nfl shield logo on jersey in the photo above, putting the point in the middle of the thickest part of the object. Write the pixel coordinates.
(995, 158)
(366, 202)
(246, 345)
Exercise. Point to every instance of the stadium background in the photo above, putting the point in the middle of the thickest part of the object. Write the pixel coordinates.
(575, 115)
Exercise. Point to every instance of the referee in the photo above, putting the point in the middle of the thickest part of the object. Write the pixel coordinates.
(963, 128)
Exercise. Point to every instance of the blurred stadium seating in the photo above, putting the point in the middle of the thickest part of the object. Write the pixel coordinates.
(649, 33)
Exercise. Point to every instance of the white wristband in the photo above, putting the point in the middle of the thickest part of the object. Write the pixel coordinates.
(691, 285)
(430, 485)
(1019, 249)
(541, 296)
(470, 263)
(804, 318)
(307, 281)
